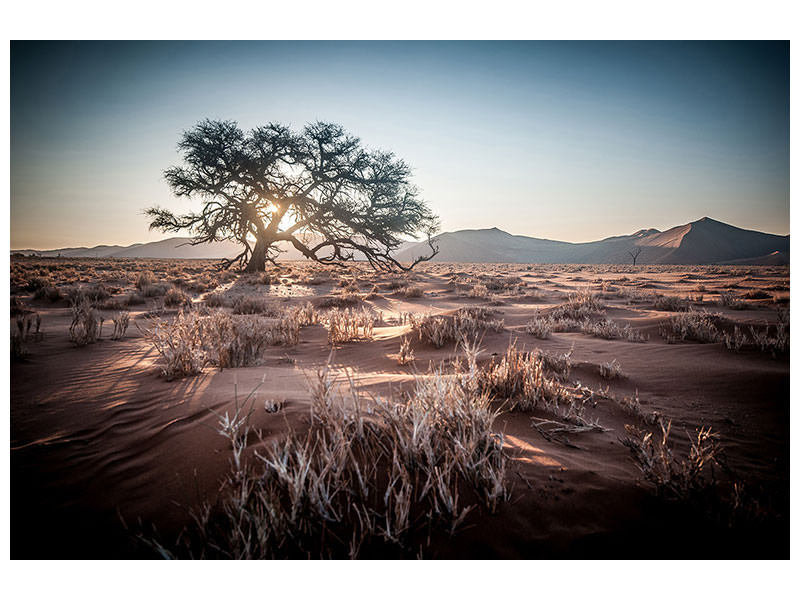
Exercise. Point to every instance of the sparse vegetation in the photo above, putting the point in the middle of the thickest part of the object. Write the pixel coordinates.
(466, 322)
(325, 493)
(690, 326)
(121, 321)
(175, 297)
(84, 329)
(611, 370)
(349, 325)
(406, 354)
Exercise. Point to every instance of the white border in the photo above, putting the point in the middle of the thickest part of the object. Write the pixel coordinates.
(413, 19)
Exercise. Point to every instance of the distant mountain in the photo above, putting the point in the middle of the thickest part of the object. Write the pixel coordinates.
(701, 242)
(705, 241)
(176, 247)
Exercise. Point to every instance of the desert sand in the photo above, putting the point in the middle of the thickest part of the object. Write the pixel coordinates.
(104, 448)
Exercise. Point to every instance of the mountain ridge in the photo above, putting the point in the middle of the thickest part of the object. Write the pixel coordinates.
(705, 241)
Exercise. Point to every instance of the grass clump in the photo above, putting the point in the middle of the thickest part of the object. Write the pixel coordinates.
(28, 328)
(192, 340)
(520, 378)
(350, 325)
(611, 370)
(671, 303)
(214, 300)
(690, 326)
(84, 328)
(681, 479)
(729, 300)
(121, 322)
(381, 478)
(540, 327)
(344, 300)
(247, 305)
(179, 343)
(406, 354)
(438, 330)
(175, 297)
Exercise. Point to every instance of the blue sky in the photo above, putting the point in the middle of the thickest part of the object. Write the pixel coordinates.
(563, 140)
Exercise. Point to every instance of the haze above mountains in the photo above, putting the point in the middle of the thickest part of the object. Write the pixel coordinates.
(705, 241)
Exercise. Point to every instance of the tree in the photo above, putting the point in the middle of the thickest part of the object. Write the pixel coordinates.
(319, 190)
(635, 254)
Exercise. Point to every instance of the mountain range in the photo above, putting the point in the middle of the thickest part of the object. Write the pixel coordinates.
(705, 241)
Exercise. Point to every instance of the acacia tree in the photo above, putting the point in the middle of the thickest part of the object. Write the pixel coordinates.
(635, 254)
(319, 190)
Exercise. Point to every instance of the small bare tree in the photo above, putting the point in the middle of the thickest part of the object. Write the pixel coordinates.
(319, 190)
(635, 254)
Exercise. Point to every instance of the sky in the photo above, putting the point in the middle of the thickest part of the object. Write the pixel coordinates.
(574, 141)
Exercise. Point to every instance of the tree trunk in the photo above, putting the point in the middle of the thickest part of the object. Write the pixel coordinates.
(258, 262)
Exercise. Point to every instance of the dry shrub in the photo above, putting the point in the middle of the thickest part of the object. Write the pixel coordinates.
(479, 291)
(51, 293)
(135, 299)
(84, 327)
(406, 354)
(175, 297)
(540, 327)
(465, 322)
(611, 370)
(772, 344)
(604, 328)
(19, 307)
(756, 295)
(215, 300)
(233, 341)
(381, 477)
(579, 305)
(193, 340)
(681, 479)
(87, 293)
(692, 325)
(144, 279)
(341, 300)
(121, 321)
(28, 328)
(180, 344)
(734, 341)
(35, 284)
(671, 303)
(632, 406)
(350, 325)
(729, 300)
(520, 378)
(249, 305)
(560, 364)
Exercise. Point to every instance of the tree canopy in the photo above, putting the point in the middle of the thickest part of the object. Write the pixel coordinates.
(319, 190)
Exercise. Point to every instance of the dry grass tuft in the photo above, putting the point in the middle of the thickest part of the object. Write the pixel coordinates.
(438, 330)
(121, 321)
(175, 297)
(692, 325)
(381, 475)
(681, 479)
(350, 325)
(84, 328)
(180, 344)
(406, 354)
(611, 370)
(28, 328)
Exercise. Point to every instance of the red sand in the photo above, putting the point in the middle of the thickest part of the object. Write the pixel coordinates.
(98, 435)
